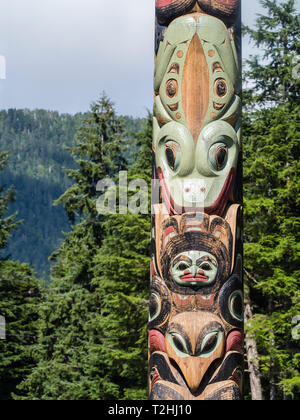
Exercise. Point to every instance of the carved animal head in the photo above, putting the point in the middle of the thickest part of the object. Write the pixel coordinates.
(194, 342)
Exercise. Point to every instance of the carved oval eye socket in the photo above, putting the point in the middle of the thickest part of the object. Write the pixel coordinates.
(171, 88)
(155, 306)
(205, 267)
(182, 267)
(173, 154)
(218, 156)
(221, 88)
(179, 343)
(210, 343)
(236, 305)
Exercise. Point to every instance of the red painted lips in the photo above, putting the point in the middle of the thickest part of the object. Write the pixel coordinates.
(198, 278)
(217, 208)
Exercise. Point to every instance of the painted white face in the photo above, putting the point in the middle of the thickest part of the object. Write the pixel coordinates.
(194, 268)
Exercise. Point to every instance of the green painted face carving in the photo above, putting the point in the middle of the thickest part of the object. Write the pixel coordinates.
(197, 114)
(197, 175)
(194, 268)
(222, 72)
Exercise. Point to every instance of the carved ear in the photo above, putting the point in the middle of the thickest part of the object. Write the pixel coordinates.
(221, 230)
(194, 222)
(234, 219)
(170, 230)
(224, 9)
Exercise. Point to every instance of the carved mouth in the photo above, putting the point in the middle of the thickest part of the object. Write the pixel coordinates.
(216, 208)
(191, 278)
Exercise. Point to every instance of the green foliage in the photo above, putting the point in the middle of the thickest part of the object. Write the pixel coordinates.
(92, 317)
(271, 174)
(122, 280)
(93, 320)
(276, 36)
(19, 298)
(7, 224)
(19, 305)
(37, 142)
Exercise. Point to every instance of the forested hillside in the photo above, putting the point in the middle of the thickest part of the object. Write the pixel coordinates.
(83, 335)
(37, 143)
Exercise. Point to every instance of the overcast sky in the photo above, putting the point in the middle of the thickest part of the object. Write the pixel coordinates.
(61, 54)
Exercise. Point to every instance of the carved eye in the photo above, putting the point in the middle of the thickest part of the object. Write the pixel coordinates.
(217, 67)
(206, 267)
(218, 156)
(182, 267)
(221, 88)
(178, 343)
(221, 155)
(173, 154)
(155, 306)
(210, 343)
(174, 68)
(171, 88)
(236, 305)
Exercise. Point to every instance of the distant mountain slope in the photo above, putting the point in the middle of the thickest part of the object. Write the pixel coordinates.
(36, 142)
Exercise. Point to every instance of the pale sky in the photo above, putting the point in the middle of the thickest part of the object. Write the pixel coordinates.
(61, 54)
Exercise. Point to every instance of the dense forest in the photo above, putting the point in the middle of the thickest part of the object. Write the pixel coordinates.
(83, 334)
(38, 143)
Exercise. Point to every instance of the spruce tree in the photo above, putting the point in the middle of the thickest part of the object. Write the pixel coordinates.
(271, 185)
(19, 299)
(70, 351)
(122, 279)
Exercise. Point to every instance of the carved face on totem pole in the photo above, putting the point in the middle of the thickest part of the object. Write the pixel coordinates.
(195, 253)
(196, 297)
(194, 269)
(195, 345)
(197, 115)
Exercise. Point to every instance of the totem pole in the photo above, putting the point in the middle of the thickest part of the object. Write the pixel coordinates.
(196, 300)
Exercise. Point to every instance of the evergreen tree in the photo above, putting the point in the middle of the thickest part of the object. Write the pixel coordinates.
(70, 362)
(36, 141)
(276, 36)
(7, 224)
(19, 298)
(122, 280)
(271, 152)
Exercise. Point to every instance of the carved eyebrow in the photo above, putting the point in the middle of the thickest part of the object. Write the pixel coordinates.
(182, 258)
(207, 258)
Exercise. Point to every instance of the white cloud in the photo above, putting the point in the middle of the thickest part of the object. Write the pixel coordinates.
(61, 54)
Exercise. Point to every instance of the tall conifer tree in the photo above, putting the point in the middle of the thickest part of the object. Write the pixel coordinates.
(271, 140)
(19, 298)
(70, 362)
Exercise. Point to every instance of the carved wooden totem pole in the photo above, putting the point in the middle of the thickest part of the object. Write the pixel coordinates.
(196, 303)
